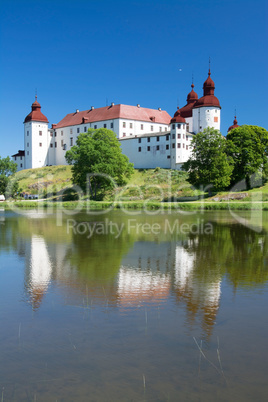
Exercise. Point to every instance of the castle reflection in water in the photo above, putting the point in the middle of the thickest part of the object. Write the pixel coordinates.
(148, 273)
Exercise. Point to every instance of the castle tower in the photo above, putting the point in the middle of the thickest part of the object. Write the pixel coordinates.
(206, 111)
(36, 138)
(179, 141)
(187, 110)
(235, 125)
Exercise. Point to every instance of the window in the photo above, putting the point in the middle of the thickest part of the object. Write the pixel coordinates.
(187, 147)
(160, 129)
(62, 143)
(124, 124)
(179, 136)
(21, 158)
(139, 149)
(104, 125)
(51, 134)
(55, 145)
(40, 132)
(178, 145)
(64, 147)
(55, 134)
(148, 148)
(21, 165)
(167, 147)
(71, 141)
(40, 144)
(148, 139)
(183, 145)
(157, 139)
(130, 125)
(157, 147)
(124, 134)
(168, 157)
(152, 128)
(85, 129)
(165, 128)
(184, 136)
(71, 131)
(173, 125)
(139, 140)
(173, 136)
(51, 145)
(179, 125)
(173, 145)
(215, 119)
(141, 126)
(27, 132)
(61, 132)
(95, 126)
(78, 130)
(27, 144)
(187, 137)
(27, 152)
(167, 137)
(112, 125)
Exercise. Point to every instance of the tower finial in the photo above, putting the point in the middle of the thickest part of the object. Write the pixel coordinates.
(35, 93)
(209, 65)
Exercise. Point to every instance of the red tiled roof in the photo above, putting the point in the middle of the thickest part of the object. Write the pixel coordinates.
(235, 125)
(36, 114)
(115, 112)
(177, 117)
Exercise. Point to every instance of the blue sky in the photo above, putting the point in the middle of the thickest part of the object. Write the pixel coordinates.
(79, 54)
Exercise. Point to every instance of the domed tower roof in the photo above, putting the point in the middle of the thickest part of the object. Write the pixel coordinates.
(177, 117)
(36, 114)
(192, 98)
(208, 98)
(235, 125)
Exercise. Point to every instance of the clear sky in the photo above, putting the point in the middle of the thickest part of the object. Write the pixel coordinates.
(84, 53)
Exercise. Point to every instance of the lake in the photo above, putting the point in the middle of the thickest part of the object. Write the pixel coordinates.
(128, 306)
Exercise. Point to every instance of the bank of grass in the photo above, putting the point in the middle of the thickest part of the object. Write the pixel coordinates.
(150, 189)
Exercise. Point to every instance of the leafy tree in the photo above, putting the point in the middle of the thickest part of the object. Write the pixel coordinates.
(7, 169)
(97, 159)
(209, 164)
(248, 146)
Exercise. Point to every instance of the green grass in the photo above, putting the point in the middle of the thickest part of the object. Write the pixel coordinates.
(155, 186)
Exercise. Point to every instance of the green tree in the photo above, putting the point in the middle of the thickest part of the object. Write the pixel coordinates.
(7, 169)
(248, 146)
(97, 160)
(209, 164)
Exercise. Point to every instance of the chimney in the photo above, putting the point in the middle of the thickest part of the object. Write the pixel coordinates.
(159, 109)
(77, 111)
(92, 108)
(138, 105)
(112, 104)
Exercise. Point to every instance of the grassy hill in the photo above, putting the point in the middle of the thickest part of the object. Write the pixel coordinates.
(157, 184)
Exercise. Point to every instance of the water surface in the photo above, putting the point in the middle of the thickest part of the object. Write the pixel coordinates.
(112, 308)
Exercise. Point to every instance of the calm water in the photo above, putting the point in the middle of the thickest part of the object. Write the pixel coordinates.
(133, 308)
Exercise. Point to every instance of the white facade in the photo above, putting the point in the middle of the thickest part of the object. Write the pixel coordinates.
(204, 117)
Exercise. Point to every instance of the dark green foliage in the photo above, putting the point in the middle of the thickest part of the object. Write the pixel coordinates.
(7, 169)
(209, 163)
(98, 161)
(248, 146)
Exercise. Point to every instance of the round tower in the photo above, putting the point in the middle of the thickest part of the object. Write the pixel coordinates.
(206, 111)
(36, 139)
(179, 141)
(235, 125)
(187, 110)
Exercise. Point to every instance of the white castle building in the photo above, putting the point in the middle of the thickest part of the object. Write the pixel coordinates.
(149, 137)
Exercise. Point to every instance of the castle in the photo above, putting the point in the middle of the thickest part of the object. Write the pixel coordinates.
(149, 137)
